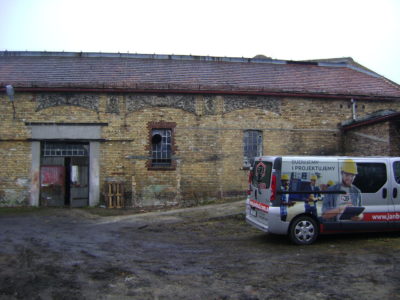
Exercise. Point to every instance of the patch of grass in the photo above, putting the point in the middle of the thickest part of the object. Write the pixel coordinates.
(102, 211)
(4, 211)
(110, 212)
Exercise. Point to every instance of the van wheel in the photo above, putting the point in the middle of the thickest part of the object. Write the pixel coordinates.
(303, 230)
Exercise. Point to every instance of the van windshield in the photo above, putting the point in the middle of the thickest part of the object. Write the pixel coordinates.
(262, 174)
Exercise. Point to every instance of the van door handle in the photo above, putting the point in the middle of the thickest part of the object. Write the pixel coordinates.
(384, 193)
(395, 193)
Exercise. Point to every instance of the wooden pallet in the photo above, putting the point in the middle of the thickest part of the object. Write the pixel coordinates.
(114, 194)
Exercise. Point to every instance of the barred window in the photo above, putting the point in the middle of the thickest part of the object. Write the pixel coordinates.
(161, 147)
(64, 149)
(252, 146)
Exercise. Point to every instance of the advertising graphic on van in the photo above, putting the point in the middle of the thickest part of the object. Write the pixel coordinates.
(306, 196)
(310, 178)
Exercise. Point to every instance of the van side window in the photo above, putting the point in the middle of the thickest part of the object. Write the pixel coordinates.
(252, 146)
(371, 177)
(396, 171)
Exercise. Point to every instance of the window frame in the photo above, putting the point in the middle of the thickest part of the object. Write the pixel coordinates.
(161, 125)
(396, 171)
(371, 177)
(257, 135)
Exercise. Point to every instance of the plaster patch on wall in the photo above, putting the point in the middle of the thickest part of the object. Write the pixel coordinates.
(158, 194)
(138, 102)
(12, 197)
(52, 100)
(112, 105)
(23, 182)
(233, 102)
(209, 105)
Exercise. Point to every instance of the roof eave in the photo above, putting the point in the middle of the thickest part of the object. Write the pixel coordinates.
(201, 90)
(372, 121)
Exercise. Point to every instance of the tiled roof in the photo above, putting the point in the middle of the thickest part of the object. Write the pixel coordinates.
(135, 72)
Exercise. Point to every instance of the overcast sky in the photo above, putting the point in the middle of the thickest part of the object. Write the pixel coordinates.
(366, 30)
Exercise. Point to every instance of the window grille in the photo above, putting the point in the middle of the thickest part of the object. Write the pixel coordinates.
(64, 149)
(252, 146)
(161, 147)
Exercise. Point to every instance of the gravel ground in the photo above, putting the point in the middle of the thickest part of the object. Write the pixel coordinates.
(207, 252)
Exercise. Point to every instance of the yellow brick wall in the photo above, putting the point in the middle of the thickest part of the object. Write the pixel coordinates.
(368, 140)
(15, 178)
(209, 147)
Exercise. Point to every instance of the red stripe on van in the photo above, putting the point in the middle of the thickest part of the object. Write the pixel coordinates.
(261, 206)
(382, 217)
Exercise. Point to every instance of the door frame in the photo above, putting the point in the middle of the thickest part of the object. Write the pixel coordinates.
(90, 133)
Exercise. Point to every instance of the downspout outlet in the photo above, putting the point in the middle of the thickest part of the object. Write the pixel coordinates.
(354, 109)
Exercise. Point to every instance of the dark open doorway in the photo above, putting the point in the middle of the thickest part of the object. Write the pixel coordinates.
(64, 174)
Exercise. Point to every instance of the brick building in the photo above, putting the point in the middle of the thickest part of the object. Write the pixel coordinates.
(176, 129)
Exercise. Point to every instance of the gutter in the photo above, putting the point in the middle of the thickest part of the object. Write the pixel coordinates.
(371, 121)
(205, 91)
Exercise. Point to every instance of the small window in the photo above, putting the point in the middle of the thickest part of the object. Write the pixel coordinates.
(371, 177)
(252, 146)
(396, 171)
(64, 149)
(161, 143)
(161, 146)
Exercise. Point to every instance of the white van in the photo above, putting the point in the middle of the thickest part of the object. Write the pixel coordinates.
(303, 197)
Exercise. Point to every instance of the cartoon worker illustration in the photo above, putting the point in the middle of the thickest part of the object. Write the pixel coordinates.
(284, 197)
(310, 203)
(314, 188)
(347, 204)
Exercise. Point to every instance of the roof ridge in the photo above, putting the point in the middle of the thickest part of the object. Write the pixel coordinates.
(255, 59)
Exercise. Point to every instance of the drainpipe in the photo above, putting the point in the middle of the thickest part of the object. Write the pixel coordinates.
(10, 94)
(353, 108)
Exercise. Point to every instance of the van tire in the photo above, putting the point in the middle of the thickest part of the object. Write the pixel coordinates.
(303, 230)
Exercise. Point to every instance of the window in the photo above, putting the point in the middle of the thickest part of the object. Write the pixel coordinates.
(396, 171)
(161, 142)
(161, 146)
(64, 149)
(261, 174)
(371, 177)
(252, 146)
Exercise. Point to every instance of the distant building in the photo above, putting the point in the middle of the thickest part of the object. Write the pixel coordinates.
(176, 130)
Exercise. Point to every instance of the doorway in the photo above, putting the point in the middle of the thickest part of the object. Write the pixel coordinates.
(64, 174)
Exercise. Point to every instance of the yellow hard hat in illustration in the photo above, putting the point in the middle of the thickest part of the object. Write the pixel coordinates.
(349, 166)
(330, 182)
(314, 177)
(285, 177)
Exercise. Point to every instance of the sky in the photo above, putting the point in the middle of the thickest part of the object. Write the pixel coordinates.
(366, 30)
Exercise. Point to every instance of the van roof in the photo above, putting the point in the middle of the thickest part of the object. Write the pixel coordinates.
(303, 157)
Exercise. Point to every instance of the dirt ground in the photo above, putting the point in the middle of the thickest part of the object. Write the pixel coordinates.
(207, 252)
